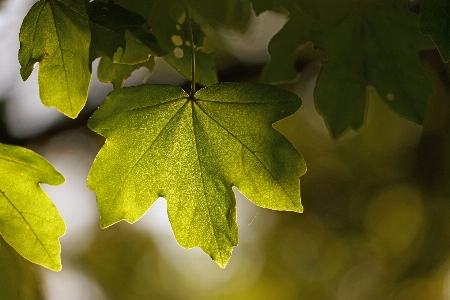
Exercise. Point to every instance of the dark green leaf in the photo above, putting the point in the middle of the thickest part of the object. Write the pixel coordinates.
(122, 35)
(29, 221)
(170, 26)
(47, 36)
(118, 73)
(192, 152)
(284, 45)
(167, 19)
(368, 43)
(434, 21)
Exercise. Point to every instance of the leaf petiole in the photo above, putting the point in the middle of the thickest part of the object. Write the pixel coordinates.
(191, 36)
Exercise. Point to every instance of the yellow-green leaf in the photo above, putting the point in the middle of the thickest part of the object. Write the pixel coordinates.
(29, 221)
(192, 152)
(47, 36)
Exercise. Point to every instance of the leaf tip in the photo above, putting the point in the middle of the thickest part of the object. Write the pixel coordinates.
(221, 261)
(58, 179)
(57, 267)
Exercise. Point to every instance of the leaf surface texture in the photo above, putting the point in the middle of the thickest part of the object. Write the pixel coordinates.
(29, 221)
(47, 36)
(192, 152)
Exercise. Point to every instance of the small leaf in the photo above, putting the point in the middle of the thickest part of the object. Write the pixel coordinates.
(118, 73)
(122, 35)
(29, 221)
(47, 36)
(192, 151)
(434, 21)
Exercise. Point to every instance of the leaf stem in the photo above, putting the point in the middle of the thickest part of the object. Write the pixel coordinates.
(192, 93)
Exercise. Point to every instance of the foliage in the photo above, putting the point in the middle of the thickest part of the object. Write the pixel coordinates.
(30, 222)
(191, 148)
(47, 36)
(191, 152)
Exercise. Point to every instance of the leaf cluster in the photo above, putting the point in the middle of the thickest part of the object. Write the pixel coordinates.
(192, 148)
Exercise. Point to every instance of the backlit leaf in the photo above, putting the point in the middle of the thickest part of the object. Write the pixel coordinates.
(47, 36)
(191, 152)
(29, 221)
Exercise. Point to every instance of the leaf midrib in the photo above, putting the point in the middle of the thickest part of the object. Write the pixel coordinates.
(251, 151)
(29, 226)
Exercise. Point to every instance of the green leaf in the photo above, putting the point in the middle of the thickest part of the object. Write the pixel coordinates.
(122, 35)
(29, 221)
(382, 51)
(192, 152)
(118, 73)
(47, 36)
(283, 46)
(369, 43)
(170, 26)
(167, 19)
(434, 21)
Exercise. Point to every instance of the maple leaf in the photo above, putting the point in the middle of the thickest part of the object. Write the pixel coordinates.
(47, 36)
(29, 221)
(191, 152)
(369, 43)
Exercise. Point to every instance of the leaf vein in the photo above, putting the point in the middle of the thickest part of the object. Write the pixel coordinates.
(203, 181)
(28, 224)
(251, 151)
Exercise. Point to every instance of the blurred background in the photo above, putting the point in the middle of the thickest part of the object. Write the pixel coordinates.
(376, 223)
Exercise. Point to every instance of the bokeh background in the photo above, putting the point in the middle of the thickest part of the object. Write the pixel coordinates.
(376, 223)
